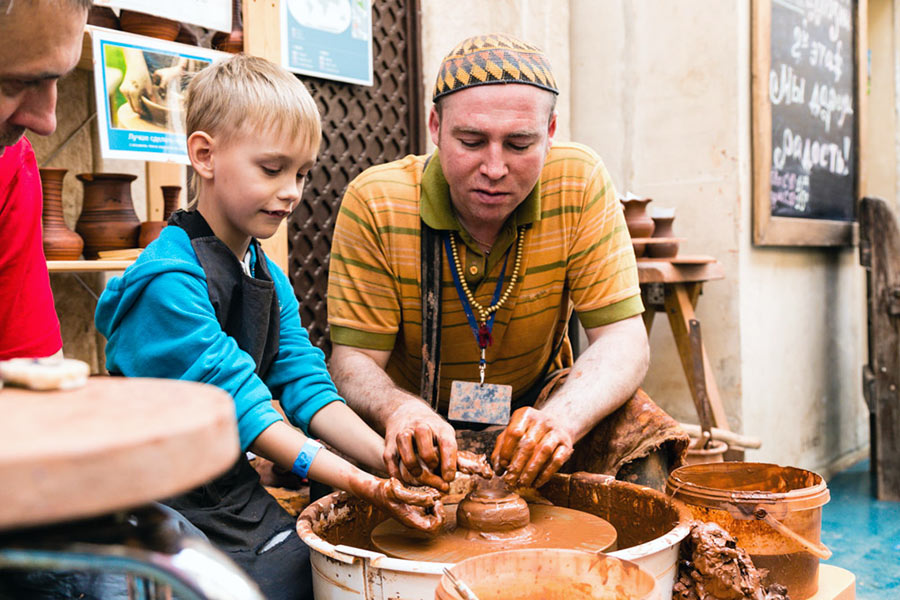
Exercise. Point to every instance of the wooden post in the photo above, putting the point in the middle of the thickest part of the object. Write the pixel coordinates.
(879, 253)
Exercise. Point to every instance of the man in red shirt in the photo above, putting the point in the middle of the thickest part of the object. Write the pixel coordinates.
(40, 41)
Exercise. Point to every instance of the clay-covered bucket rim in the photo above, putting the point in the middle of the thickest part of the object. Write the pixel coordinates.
(682, 485)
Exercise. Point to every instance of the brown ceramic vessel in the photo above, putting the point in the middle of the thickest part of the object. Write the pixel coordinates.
(150, 230)
(232, 42)
(170, 199)
(60, 242)
(640, 225)
(149, 25)
(663, 229)
(102, 16)
(487, 512)
(107, 221)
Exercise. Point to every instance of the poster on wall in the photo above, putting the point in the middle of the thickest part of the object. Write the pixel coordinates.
(139, 86)
(212, 14)
(331, 39)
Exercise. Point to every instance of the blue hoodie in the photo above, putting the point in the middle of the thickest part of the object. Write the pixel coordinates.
(159, 322)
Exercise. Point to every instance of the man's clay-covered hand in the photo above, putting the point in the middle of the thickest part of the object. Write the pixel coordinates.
(532, 448)
(417, 508)
(420, 447)
(473, 464)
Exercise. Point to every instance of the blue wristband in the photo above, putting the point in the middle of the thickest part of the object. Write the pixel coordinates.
(305, 458)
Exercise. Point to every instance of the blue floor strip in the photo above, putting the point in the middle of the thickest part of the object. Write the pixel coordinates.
(864, 534)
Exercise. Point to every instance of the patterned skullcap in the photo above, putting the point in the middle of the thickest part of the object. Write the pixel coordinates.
(493, 58)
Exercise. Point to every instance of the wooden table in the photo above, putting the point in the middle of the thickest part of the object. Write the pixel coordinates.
(114, 444)
(674, 285)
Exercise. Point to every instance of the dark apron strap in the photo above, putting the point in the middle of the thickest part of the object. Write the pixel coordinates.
(431, 256)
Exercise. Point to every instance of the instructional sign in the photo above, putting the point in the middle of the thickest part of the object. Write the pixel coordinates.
(213, 14)
(139, 86)
(331, 39)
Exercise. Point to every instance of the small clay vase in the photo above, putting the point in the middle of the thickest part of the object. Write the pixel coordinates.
(60, 242)
(107, 221)
(232, 42)
(102, 16)
(149, 25)
(640, 225)
(150, 230)
(170, 199)
(663, 229)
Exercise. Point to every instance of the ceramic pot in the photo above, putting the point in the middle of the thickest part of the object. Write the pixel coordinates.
(149, 25)
(101, 16)
(639, 223)
(170, 199)
(60, 242)
(107, 221)
(663, 229)
(150, 230)
(232, 42)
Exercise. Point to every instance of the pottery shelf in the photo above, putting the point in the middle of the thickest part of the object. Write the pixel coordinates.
(87, 266)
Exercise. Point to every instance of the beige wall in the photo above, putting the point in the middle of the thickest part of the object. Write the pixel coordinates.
(661, 90)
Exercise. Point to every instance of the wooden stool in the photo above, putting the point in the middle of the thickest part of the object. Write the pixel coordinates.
(80, 467)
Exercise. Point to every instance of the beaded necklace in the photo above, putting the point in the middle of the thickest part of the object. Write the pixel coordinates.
(485, 314)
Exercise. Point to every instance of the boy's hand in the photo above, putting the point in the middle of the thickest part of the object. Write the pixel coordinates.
(420, 509)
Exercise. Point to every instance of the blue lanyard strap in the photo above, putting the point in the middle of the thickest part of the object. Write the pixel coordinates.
(481, 331)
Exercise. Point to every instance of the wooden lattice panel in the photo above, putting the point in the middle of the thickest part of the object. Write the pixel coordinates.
(362, 126)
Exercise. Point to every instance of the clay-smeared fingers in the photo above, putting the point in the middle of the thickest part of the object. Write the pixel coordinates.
(538, 460)
(425, 477)
(425, 447)
(415, 508)
(407, 452)
(559, 458)
(473, 464)
(528, 446)
(509, 439)
(449, 452)
(424, 497)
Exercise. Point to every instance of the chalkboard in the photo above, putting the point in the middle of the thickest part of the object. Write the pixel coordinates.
(805, 80)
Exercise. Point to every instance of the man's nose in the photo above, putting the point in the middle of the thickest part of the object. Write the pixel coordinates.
(38, 109)
(494, 164)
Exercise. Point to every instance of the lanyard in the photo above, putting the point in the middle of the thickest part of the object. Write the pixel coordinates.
(482, 331)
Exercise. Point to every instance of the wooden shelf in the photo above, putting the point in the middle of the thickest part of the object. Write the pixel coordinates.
(87, 266)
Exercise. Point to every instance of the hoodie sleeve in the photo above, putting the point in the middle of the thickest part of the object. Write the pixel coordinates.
(167, 328)
(299, 376)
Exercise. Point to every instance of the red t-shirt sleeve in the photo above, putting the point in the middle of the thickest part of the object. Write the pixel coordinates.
(29, 326)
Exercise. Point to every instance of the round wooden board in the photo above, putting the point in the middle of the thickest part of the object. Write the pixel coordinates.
(113, 444)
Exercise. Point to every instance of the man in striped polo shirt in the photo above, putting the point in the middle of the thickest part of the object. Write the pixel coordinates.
(523, 231)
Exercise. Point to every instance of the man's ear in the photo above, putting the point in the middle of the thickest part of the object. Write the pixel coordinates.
(434, 125)
(200, 147)
(551, 128)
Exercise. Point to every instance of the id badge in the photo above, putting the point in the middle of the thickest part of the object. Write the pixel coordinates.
(472, 402)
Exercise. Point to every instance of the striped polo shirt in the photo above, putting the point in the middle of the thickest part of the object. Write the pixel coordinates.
(577, 254)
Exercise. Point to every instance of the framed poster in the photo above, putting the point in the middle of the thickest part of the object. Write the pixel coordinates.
(139, 86)
(331, 39)
(806, 121)
(212, 14)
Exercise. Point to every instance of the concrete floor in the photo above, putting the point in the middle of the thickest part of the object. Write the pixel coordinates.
(864, 534)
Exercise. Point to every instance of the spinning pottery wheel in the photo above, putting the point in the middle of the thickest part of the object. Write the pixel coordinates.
(488, 521)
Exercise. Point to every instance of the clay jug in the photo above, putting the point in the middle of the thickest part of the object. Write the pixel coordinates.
(101, 16)
(149, 25)
(107, 221)
(60, 242)
(639, 223)
(663, 229)
(170, 199)
(232, 42)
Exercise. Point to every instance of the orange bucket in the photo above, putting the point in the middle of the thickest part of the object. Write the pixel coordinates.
(773, 512)
(548, 574)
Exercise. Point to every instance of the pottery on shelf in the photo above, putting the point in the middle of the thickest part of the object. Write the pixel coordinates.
(187, 36)
(102, 16)
(149, 25)
(640, 225)
(170, 199)
(232, 42)
(108, 220)
(60, 242)
(663, 229)
(150, 230)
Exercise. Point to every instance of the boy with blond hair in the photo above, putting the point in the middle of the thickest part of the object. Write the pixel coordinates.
(204, 303)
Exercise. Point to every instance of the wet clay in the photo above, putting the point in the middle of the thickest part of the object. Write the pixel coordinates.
(712, 565)
(549, 527)
(492, 511)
